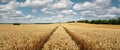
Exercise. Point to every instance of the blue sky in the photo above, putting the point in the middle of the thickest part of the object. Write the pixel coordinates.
(47, 11)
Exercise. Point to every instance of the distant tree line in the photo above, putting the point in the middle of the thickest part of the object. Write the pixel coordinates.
(43, 23)
(16, 23)
(29, 23)
(110, 21)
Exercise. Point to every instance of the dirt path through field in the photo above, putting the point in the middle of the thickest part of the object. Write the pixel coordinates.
(45, 40)
(78, 39)
(60, 40)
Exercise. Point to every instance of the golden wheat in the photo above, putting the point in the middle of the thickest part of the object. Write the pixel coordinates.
(24, 37)
(72, 36)
(95, 38)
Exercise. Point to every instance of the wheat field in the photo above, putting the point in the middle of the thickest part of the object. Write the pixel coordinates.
(66, 36)
(95, 37)
(24, 37)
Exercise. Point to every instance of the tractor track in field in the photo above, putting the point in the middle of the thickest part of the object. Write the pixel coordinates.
(81, 42)
(48, 37)
(73, 38)
(69, 33)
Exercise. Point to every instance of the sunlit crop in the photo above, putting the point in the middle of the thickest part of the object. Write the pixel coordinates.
(95, 38)
(69, 36)
(24, 37)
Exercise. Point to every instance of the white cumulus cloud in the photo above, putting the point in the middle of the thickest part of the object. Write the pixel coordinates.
(35, 11)
(62, 4)
(97, 8)
(68, 12)
(35, 3)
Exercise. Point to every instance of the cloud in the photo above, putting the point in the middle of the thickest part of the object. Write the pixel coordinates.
(10, 5)
(83, 6)
(6, 1)
(77, 6)
(62, 4)
(53, 19)
(9, 10)
(29, 16)
(92, 5)
(107, 15)
(63, 12)
(68, 12)
(28, 3)
(46, 10)
(62, 18)
(114, 10)
(62, 7)
(19, 12)
(88, 13)
(34, 11)
(82, 18)
(11, 15)
(58, 6)
(103, 3)
(97, 8)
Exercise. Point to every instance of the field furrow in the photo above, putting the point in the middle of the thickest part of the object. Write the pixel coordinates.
(60, 40)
